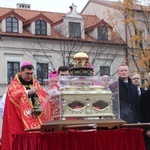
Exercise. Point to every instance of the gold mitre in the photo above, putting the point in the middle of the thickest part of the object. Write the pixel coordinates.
(81, 59)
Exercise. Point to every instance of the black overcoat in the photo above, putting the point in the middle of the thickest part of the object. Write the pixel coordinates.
(129, 101)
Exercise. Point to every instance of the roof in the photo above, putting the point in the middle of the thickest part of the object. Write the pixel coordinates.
(29, 16)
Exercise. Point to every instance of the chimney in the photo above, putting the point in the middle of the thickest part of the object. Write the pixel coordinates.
(23, 6)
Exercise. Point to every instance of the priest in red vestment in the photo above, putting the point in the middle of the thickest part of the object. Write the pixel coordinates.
(25, 106)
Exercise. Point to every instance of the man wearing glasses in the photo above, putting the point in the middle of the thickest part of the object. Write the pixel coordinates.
(136, 80)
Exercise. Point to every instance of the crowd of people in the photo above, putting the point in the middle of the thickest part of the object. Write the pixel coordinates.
(20, 108)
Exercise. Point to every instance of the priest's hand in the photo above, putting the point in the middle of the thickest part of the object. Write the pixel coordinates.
(33, 90)
(148, 133)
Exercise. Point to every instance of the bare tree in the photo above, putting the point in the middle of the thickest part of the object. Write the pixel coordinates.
(104, 50)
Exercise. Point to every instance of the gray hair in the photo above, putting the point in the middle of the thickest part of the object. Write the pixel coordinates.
(134, 73)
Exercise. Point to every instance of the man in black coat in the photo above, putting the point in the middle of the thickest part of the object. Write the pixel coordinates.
(145, 113)
(128, 96)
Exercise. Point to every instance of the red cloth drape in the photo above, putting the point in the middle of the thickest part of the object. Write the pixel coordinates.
(119, 139)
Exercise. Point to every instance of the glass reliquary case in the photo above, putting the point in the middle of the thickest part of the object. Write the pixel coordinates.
(84, 97)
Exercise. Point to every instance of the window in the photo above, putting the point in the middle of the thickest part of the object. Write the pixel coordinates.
(102, 33)
(138, 39)
(74, 30)
(12, 69)
(40, 27)
(42, 72)
(104, 70)
(12, 25)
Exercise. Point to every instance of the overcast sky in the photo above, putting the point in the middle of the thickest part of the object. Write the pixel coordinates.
(47, 5)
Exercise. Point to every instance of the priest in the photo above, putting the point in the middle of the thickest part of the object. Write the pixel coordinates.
(25, 106)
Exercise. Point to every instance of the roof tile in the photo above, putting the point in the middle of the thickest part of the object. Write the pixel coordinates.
(90, 22)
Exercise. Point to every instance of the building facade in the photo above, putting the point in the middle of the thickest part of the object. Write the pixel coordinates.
(50, 40)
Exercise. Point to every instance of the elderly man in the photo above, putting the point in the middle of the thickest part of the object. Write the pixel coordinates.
(136, 80)
(105, 79)
(23, 95)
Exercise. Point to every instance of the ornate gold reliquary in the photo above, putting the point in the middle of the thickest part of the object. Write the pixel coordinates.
(82, 99)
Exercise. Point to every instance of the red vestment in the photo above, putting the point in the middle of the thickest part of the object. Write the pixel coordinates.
(17, 112)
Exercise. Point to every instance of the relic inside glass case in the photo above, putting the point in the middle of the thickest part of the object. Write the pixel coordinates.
(84, 97)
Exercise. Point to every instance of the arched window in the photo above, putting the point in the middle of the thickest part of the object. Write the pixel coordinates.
(12, 24)
(40, 27)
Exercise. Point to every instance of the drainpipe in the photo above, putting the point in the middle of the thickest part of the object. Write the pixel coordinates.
(126, 48)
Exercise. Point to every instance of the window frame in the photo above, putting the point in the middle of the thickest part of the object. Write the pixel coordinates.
(40, 73)
(102, 35)
(75, 29)
(12, 70)
(106, 72)
(12, 25)
(139, 43)
(40, 27)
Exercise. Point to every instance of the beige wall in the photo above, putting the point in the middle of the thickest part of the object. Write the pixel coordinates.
(23, 49)
(41, 50)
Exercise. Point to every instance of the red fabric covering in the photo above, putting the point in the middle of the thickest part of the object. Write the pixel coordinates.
(119, 139)
(17, 112)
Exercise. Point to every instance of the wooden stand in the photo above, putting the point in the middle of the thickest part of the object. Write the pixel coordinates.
(63, 125)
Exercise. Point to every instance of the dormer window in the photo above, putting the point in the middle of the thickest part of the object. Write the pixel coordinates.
(102, 33)
(40, 27)
(74, 29)
(12, 24)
